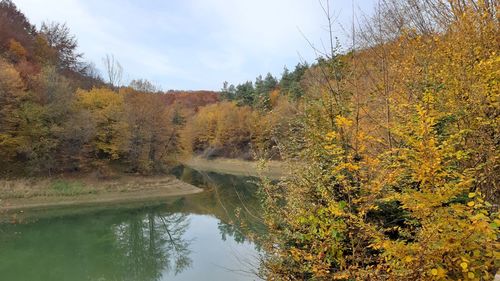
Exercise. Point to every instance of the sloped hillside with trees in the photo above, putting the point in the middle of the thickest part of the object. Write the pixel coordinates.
(58, 115)
(399, 142)
(392, 142)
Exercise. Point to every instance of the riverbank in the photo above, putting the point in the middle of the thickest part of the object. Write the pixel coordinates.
(30, 194)
(271, 169)
(87, 191)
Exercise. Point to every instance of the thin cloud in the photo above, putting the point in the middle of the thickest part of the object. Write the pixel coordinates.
(192, 44)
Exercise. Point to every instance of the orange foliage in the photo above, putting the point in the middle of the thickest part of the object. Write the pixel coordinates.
(273, 97)
(17, 50)
(190, 99)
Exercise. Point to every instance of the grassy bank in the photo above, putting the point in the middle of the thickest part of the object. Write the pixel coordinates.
(23, 194)
(87, 191)
(272, 169)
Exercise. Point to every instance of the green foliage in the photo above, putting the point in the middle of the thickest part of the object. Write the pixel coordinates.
(263, 89)
(290, 81)
(256, 95)
(245, 94)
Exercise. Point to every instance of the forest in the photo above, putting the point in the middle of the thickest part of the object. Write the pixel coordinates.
(59, 115)
(391, 144)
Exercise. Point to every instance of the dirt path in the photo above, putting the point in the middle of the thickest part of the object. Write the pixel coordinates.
(272, 169)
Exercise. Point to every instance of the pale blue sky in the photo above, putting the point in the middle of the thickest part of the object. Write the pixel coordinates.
(196, 44)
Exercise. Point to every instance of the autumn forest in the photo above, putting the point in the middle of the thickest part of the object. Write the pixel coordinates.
(389, 146)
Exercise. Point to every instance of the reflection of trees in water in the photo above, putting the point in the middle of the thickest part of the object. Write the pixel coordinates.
(112, 245)
(233, 231)
(232, 199)
(128, 244)
(152, 244)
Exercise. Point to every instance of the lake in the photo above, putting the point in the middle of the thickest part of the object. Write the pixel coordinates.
(206, 236)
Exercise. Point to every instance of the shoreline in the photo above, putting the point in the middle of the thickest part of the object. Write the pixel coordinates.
(96, 193)
(271, 169)
(85, 191)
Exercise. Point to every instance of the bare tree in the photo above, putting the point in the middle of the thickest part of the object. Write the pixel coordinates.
(329, 67)
(113, 69)
(90, 70)
(144, 85)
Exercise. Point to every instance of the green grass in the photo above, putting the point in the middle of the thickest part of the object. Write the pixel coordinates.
(68, 188)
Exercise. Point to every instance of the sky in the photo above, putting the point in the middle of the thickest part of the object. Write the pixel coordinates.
(197, 44)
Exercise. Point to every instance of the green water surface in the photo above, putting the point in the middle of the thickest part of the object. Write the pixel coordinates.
(206, 236)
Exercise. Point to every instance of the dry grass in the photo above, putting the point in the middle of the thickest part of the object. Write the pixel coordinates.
(31, 193)
(35, 187)
(272, 169)
(27, 188)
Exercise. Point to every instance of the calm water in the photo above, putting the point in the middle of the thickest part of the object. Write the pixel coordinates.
(197, 237)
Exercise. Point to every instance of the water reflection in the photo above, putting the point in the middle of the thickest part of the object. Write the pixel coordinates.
(199, 237)
(232, 199)
(153, 245)
(141, 245)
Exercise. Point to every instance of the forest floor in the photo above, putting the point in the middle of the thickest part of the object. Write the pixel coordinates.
(271, 169)
(30, 194)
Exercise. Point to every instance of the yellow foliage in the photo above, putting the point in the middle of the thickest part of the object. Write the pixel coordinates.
(107, 111)
(401, 159)
(274, 97)
(217, 126)
(17, 49)
(11, 96)
(342, 121)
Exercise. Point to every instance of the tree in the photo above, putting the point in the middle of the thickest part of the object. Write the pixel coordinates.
(143, 85)
(263, 88)
(113, 69)
(245, 94)
(108, 117)
(43, 122)
(290, 83)
(153, 136)
(228, 92)
(17, 51)
(14, 26)
(11, 98)
(270, 83)
(222, 129)
(59, 38)
(43, 53)
(415, 205)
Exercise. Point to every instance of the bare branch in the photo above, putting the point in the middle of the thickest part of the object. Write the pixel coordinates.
(113, 69)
